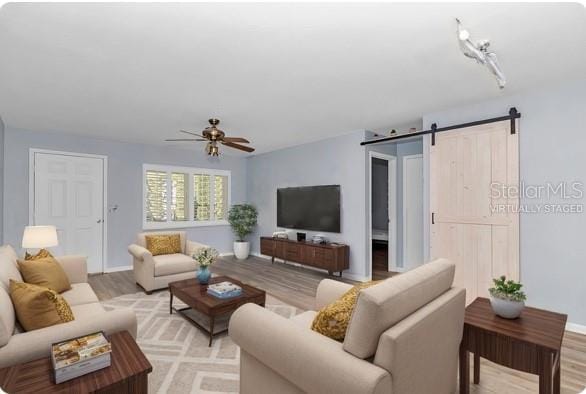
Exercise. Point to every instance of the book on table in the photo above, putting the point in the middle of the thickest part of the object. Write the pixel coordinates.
(79, 356)
(224, 290)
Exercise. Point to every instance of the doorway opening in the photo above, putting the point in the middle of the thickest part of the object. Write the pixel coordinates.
(395, 227)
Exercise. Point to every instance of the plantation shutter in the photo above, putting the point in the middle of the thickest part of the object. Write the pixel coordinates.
(156, 196)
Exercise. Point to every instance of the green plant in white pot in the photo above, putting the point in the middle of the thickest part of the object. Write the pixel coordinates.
(506, 298)
(242, 218)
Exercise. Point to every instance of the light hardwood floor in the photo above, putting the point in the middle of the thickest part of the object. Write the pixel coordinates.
(297, 286)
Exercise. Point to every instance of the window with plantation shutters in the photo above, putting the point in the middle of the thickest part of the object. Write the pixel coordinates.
(184, 197)
(156, 196)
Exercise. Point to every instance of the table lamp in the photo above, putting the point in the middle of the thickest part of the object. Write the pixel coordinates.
(38, 237)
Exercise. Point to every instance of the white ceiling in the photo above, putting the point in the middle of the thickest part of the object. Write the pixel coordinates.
(278, 74)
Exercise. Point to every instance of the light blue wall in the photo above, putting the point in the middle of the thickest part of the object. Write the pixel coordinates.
(552, 143)
(125, 162)
(339, 161)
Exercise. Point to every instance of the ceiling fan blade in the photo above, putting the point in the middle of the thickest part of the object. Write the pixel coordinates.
(185, 139)
(236, 146)
(192, 133)
(236, 139)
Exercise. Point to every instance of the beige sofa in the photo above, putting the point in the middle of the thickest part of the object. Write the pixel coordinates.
(17, 346)
(155, 272)
(403, 338)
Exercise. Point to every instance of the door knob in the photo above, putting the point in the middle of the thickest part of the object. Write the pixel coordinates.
(99, 221)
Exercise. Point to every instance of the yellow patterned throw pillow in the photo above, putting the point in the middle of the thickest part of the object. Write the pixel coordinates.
(333, 319)
(45, 272)
(38, 307)
(42, 254)
(163, 244)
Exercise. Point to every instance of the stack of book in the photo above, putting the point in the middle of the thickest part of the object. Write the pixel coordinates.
(224, 290)
(80, 356)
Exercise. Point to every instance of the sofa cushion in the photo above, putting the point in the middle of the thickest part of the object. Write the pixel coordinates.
(87, 311)
(80, 294)
(7, 317)
(383, 305)
(45, 272)
(304, 319)
(169, 264)
(38, 307)
(8, 267)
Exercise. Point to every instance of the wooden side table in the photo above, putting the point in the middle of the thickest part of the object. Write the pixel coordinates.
(127, 374)
(531, 343)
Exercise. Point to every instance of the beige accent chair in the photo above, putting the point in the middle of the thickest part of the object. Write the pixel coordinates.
(17, 346)
(156, 272)
(403, 338)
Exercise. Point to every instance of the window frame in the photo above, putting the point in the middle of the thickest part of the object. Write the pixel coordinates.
(190, 171)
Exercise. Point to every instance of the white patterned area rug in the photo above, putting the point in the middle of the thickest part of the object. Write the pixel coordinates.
(182, 361)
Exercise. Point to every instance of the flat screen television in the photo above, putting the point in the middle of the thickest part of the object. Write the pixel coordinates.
(314, 208)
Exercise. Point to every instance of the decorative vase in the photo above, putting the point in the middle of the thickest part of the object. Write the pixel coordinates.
(506, 308)
(241, 250)
(203, 275)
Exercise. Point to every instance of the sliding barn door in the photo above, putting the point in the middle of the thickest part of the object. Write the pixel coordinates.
(474, 224)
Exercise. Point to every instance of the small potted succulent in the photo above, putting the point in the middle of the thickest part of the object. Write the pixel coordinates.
(506, 298)
(205, 257)
(242, 218)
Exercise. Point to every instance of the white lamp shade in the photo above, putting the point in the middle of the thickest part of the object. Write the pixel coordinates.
(39, 237)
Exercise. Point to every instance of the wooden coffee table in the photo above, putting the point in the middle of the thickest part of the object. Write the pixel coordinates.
(127, 374)
(196, 297)
(531, 343)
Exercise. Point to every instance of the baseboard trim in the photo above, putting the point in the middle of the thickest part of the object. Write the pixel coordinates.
(117, 269)
(227, 254)
(577, 328)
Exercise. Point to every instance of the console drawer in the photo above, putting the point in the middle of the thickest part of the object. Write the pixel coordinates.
(267, 246)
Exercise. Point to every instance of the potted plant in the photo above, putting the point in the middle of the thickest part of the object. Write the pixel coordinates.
(506, 298)
(242, 218)
(205, 257)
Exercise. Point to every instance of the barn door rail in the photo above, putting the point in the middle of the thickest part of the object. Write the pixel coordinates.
(513, 114)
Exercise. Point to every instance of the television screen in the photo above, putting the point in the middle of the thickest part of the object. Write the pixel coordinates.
(314, 208)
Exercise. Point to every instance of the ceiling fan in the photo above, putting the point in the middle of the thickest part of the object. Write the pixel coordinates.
(214, 135)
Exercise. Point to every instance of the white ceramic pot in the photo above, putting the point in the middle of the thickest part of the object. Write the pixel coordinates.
(241, 250)
(507, 308)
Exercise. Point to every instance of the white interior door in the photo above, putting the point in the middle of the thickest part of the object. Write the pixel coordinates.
(68, 192)
(482, 242)
(412, 211)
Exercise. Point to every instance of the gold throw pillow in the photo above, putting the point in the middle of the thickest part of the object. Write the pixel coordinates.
(163, 244)
(46, 272)
(333, 319)
(38, 307)
(43, 253)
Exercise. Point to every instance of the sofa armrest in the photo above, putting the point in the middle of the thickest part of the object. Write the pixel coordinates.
(310, 361)
(192, 247)
(329, 291)
(427, 341)
(35, 344)
(75, 267)
(138, 252)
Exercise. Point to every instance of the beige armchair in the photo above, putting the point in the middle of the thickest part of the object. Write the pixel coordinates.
(403, 337)
(155, 272)
(17, 346)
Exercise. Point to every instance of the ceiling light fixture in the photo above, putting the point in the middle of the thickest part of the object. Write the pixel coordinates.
(479, 52)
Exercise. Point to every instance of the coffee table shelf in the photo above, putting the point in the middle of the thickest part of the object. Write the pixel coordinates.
(195, 296)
